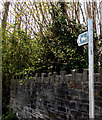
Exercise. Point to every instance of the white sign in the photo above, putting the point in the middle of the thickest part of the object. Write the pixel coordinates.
(83, 39)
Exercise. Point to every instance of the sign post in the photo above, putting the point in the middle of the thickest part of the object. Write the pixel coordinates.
(84, 38)
(91, 68)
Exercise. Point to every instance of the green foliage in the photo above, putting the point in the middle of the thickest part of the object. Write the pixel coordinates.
(20, 53)
(9, 115)
(60, 44)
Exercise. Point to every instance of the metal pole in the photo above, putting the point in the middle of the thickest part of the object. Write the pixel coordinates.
(91, 69)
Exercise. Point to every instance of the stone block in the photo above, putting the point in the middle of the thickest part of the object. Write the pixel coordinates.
(85, 75)
(78, 77)
(100, 73)
(96, 77)
(49, 77)
(42, 77)
(74, 75)
(72, 105)
(76, 113)
(62, 74)
(83, 95)
(61, 109)
(63, 117)
(68, 78)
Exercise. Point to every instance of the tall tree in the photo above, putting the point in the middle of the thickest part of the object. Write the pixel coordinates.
(4, 20)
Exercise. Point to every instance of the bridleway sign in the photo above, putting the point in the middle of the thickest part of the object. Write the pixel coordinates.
(83, 39)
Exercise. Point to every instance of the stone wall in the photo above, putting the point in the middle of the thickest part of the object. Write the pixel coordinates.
(56, 97)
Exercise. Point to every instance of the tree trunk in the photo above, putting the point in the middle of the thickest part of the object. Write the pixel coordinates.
(4, 20)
